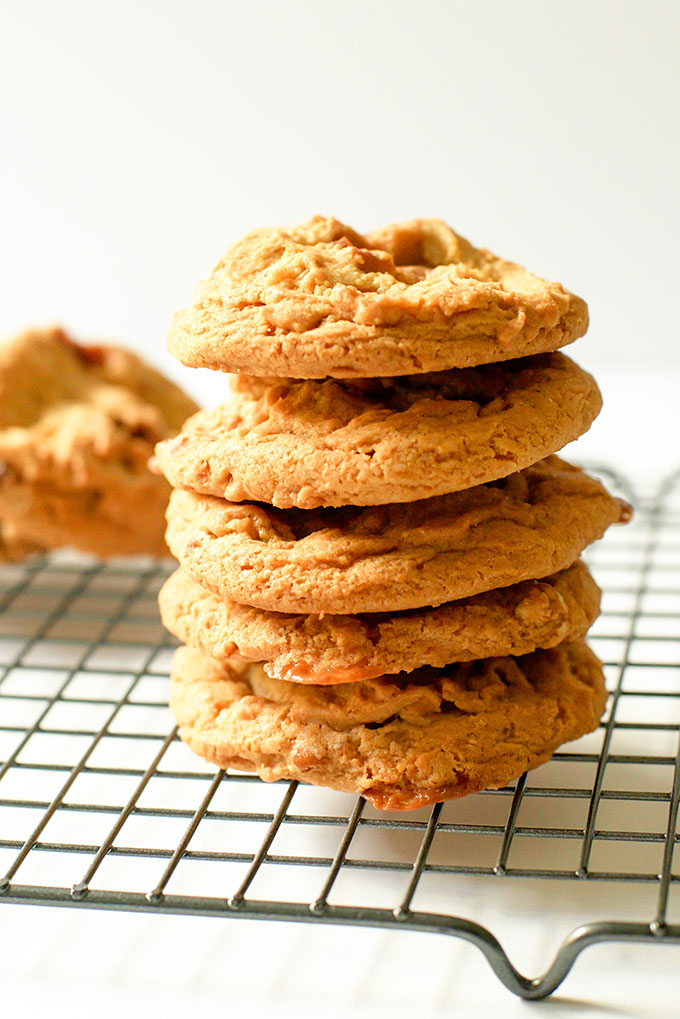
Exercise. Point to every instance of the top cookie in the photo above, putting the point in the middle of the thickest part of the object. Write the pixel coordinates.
(321, 300)
(77, 427)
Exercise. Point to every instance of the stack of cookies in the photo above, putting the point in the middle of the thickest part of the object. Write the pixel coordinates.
(379, 586)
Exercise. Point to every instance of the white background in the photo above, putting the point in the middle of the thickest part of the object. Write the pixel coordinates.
(138, 139)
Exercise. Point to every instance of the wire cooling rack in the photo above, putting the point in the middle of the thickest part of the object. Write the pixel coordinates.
(102, 806)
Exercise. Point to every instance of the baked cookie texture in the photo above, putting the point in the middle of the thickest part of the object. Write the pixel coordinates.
(320, 299)
(390, 558)
(334, 649)
(379, 586)
(402, 741)
(367, 442)
(77, 427)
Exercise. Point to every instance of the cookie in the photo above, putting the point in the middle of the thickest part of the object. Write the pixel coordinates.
(77, 427)
(401, 741)
(15, 550)
(336, 443)
(395, 557)
(344, 649)
(321, 300)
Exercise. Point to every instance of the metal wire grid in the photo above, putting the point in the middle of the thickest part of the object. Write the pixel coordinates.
(102, 806)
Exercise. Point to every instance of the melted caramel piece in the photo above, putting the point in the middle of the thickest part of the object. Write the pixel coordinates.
(403, 799)
(302, 672)
(626, 511)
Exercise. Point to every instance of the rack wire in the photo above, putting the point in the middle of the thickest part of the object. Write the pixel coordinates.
(102, 806)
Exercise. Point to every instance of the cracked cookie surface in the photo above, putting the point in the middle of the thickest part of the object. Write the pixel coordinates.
(320, 299)
(77, 427)
(389, 558)
(368, 442)
(401, 741)
(333, 649)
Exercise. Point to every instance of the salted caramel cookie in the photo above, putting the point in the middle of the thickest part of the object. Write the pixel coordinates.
(395, 557)
(368, 442)
(401, 741)
(77, 427)
(321, 300)
(348, 649)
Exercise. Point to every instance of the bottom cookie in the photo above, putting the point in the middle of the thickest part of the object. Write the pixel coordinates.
(401, 741)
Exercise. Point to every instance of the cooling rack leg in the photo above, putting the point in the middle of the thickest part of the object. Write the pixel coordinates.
(533, 989)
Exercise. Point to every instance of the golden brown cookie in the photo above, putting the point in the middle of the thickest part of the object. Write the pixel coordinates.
(321, 300)
(389, 558)
(77, 427)
(348, 649)
(402, 741)
(15, 550)
(336, 443)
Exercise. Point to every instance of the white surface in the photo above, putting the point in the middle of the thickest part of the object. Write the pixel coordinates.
(638, 429)
(139, 139)
(113, 964)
